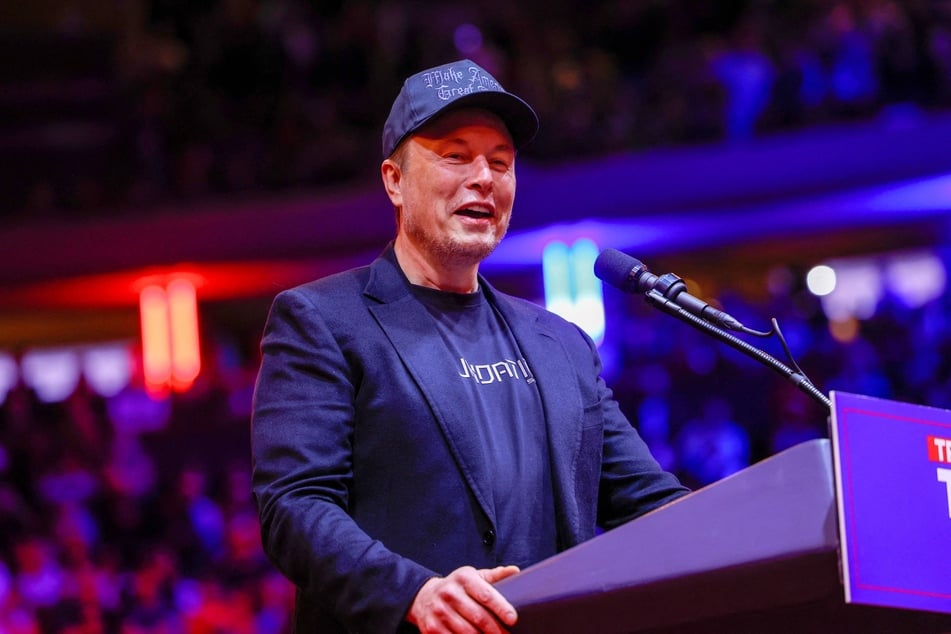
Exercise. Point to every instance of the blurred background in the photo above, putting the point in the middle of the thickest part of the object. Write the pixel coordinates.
(167, 166)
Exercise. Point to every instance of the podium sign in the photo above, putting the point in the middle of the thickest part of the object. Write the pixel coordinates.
(893, 483)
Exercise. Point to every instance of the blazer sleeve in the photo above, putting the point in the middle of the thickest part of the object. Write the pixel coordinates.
(631, 482)
(301, 432)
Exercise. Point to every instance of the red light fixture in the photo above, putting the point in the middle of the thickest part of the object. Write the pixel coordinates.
(171, 355)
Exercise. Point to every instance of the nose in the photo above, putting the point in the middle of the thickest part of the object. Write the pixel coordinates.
(480, 177)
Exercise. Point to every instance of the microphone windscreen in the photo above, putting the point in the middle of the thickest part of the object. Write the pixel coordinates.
(614, 267)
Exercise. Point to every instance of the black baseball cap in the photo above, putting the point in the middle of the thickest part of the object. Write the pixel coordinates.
(464, 83)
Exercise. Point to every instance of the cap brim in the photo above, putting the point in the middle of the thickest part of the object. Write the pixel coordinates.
(519, 117)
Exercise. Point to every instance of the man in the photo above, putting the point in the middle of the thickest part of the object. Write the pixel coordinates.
(417, 435)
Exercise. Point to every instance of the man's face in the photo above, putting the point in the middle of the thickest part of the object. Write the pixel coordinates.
(455, 188)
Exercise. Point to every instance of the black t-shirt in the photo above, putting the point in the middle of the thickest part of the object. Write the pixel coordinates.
(506, 412)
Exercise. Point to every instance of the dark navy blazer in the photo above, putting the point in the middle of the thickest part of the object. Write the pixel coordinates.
(367, 471)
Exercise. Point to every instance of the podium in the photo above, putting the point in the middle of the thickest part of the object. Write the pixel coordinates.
(755, 552)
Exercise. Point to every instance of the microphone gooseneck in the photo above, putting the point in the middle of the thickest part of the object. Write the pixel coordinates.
(667, 293)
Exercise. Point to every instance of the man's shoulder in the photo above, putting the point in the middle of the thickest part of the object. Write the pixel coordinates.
(346, 281)
(334, 291)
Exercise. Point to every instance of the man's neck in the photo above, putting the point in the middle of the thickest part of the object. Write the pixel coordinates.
(423, 271)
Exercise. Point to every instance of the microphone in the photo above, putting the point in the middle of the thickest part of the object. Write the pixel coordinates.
(632, 276)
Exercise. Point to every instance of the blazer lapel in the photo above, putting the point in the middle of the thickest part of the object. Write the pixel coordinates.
(404, 320)
(561, 402)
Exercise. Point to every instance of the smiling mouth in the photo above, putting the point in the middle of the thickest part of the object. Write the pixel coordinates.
(474, 213)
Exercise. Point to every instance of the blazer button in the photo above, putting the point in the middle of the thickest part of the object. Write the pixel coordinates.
(488, 537)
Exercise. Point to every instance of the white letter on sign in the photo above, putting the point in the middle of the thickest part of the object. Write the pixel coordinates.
(944, 475)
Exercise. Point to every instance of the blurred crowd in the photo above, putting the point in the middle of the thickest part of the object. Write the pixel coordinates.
(215, 97)
(129, 514)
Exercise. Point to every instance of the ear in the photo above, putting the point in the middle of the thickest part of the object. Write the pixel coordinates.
(392, 181)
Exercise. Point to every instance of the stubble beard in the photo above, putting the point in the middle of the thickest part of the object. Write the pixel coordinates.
(451, 251)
